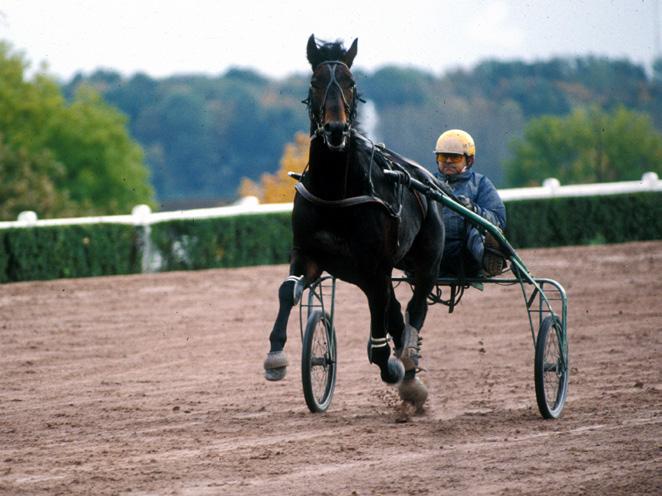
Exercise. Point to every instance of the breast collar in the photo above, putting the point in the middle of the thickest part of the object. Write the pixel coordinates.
(345, 202)
(393, 210)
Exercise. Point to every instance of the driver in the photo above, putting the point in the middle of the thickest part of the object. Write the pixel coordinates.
(468, 251)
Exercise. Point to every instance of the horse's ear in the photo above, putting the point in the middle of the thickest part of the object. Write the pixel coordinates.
(312, 52)
(351, 53)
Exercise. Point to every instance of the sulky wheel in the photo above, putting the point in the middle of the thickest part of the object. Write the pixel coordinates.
(318, 361)
(551, 368)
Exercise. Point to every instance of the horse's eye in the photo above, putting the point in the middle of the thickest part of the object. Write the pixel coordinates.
(348, 84)
(346, 81)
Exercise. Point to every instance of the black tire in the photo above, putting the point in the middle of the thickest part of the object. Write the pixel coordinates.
(551, 368)
(318, 362)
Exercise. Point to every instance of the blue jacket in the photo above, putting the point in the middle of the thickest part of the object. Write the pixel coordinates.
(480, 190)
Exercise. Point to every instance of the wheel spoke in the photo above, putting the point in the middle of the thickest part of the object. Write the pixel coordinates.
(551, 369)
(318, 365)
(319, 361)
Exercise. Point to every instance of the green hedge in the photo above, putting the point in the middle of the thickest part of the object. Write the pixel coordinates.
(584, 220)
(223, 242)
(103, 249)
(68, 251)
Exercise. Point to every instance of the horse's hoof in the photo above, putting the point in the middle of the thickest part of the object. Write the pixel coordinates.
(275, 374)
(413, 391)
(395, 371)
(275, 365)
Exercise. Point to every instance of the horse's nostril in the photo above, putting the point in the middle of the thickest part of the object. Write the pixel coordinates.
(335, 127)
(335, 135)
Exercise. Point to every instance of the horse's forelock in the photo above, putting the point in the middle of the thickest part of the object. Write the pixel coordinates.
(330, 50)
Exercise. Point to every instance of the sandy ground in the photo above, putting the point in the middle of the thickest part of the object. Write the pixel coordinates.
(152, 384)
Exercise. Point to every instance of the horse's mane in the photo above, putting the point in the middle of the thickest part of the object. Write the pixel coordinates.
(330, 50)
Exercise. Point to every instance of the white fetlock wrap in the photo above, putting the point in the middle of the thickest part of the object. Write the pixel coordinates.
(275, 365)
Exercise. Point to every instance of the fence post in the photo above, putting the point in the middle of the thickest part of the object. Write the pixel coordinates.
(28, 217)
(150, 257)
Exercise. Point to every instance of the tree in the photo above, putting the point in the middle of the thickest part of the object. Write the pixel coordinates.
(279, 187)
(105, 169)
(589, 145)
(657, 69)
(202, 134)
(28, 182)
(61, 158)
(392, 85)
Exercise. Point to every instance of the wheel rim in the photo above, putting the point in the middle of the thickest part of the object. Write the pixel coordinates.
(321, 362)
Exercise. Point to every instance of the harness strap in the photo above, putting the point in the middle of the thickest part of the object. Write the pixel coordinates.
(393, 158)
(346, 202)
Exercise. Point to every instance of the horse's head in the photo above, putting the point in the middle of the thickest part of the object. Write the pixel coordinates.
(332, 97)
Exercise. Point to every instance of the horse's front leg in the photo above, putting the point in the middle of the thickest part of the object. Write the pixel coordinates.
(379, 293)
(303, 271)
(394, 321)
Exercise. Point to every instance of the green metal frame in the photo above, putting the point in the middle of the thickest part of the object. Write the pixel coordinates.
(521, 273)
(320, 294)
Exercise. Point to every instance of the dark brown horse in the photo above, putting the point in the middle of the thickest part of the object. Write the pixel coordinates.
(352, 222)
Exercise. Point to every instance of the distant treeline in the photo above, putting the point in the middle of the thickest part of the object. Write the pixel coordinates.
(202, 134)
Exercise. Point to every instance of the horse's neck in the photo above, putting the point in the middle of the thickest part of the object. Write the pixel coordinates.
(335, 175)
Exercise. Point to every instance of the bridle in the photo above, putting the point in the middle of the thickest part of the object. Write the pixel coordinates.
(316, 115)
(391, 160)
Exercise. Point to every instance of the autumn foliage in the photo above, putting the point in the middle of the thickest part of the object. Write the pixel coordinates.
(279, 187)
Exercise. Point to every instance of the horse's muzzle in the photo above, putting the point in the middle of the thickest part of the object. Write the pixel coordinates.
(335, 135)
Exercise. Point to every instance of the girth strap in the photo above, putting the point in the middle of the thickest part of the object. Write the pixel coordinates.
(346, 202)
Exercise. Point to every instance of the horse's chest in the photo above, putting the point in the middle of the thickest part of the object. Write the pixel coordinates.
(342, 255)
(349, 236)
(331, 242)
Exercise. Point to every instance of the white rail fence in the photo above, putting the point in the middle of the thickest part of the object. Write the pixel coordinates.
(142, 215)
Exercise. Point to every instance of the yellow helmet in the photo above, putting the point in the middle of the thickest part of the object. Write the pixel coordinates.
(456, 141)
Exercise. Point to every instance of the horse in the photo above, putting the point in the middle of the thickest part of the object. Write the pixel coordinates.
(350, 220)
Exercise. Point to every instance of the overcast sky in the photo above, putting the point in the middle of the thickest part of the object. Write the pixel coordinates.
(168, 37)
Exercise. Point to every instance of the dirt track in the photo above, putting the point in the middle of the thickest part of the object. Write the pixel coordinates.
(152, 384)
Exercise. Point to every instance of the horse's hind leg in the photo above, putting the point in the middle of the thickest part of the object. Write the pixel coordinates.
(411, 389)
(409, 346)
(302, 273)
(379, 295)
